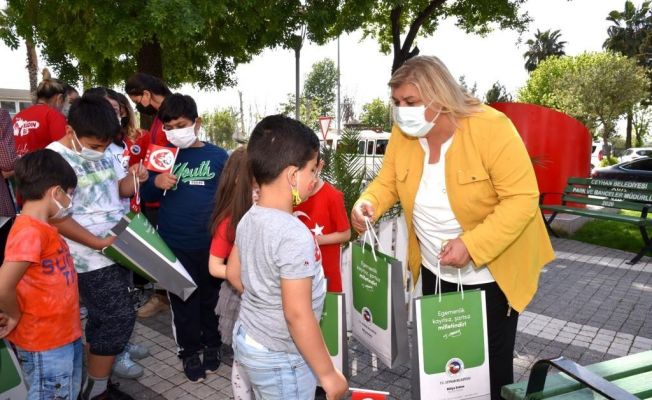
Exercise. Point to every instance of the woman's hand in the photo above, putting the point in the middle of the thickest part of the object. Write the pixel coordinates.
(361, 209)
(454, 254)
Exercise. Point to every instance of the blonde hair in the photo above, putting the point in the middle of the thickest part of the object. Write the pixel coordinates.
(436, 84)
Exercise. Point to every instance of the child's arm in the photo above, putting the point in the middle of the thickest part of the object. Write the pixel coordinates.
(333, 238)
(10, 274)
(216, 266)
(296, 295)
(233, 270)
(71, 229)
(126, 185)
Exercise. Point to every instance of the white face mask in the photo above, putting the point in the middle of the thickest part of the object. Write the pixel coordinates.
(85, 152)
(62, 212)
(182, 137)
(412, 120)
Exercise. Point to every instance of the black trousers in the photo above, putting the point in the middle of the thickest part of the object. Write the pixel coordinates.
(195, 322)
(501, 328)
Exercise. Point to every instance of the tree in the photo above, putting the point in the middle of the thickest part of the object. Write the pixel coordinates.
(498, 93)
(626, 36)
(377, 113)
(308, 110)
(545, 44)
(320, 86)
(641, 123)
(198, 41)
(473, 90)
(220, 127)
(596, 88)
(348, 111)
(387, 21)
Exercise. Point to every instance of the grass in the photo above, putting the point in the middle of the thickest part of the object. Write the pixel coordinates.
(615, 235)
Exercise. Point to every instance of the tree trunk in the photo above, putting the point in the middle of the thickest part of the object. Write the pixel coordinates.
(150, 61)
(297, 98)
(628, 136)
(32, 68)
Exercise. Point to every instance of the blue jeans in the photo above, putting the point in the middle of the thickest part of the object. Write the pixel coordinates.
(53, 374)
(273, 374)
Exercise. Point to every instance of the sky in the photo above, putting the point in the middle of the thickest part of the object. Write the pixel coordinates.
(267, 80)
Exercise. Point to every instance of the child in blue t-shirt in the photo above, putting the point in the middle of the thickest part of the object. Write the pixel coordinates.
(276, 338)
(187, 199)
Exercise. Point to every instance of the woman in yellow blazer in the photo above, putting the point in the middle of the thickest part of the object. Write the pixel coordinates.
(468, 189)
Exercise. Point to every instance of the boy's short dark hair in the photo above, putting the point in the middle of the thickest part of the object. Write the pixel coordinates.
(278, 142)
(177, 106)
(93, 116)
(39, 170)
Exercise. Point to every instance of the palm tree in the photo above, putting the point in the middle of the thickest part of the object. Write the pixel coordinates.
(545, 44)
(627, 36)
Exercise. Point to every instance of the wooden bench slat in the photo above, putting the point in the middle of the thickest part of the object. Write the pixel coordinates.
(557, 384)
(605, 202)
(629, 185)
(639, 385)
(598, 214)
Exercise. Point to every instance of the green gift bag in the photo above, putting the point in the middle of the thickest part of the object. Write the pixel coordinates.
(12, 385)
(379, 315)
(451, 348)
(333, 329)
(139, 248)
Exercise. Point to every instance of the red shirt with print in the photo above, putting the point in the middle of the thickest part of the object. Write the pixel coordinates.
(136, 148)
(323, 213)
(36, 127)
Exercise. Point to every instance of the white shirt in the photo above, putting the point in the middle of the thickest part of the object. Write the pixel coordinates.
(435, 222)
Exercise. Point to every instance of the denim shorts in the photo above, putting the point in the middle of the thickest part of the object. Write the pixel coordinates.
(273, 374)
(53, 374)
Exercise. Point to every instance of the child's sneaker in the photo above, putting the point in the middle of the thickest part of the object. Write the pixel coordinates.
(193, 368)
(212, 359)
(136, 351)
(124, 367)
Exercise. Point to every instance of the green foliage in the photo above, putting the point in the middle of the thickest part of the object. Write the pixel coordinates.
(220, 126)
(609, 160)
(497, 94)
(473, 90)
(629, 30)
(308, 110)
(641, 123)
(377, 113)
(320, 85)
(596, 88)
(343, 170)
(545, 44)
(197, 41)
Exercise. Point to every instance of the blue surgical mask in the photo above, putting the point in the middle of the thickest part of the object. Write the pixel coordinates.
(85, 152)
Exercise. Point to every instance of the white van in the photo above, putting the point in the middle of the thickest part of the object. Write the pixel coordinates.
(371, 148)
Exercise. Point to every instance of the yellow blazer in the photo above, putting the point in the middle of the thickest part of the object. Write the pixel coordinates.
(493, 193)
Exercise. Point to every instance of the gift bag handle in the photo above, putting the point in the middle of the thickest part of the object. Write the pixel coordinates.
(370, 234)
(460, 287)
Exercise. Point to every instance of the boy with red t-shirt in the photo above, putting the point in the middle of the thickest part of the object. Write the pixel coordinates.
(325, 215)
(38, 284)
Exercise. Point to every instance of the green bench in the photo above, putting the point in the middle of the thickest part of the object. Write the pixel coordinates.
(623, 378)
(609, 194)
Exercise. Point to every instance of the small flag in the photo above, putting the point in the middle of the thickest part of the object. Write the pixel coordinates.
(364, 394)
(160, 158)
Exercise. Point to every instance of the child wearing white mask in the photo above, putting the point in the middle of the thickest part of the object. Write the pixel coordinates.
(187, 197)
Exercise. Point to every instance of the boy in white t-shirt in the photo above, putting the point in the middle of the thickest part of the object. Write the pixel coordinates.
(97, 207)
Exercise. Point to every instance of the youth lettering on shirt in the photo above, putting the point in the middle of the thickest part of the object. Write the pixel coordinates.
(62, 263)
(193, 176)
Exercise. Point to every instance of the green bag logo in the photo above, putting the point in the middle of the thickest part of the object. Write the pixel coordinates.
(370, 286)
(452, 332)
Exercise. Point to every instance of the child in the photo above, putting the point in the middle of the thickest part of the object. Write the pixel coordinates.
(233, 199)
(103, 285)
(276, 338)
(38, 282)
(183, 224)
(325, 215)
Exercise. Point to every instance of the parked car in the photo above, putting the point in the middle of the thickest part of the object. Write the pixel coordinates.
(596, 154)
(639, 170)
(636, 152)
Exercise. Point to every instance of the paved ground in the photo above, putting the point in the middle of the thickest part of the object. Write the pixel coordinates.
(591, 306)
